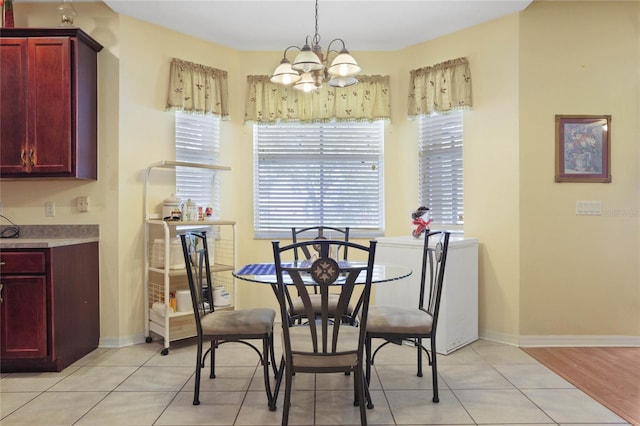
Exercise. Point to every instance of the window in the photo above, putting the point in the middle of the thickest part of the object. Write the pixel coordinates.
(318, 173)
(440, 168)
(198, 141)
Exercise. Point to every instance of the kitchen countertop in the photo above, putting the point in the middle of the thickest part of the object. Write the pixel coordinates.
(48, 236)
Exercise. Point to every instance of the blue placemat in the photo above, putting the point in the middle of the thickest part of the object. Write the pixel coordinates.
(258, 269)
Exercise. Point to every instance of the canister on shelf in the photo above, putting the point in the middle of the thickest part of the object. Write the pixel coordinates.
(221, 296)
(176, 258)
(171, 208)
(189, 211)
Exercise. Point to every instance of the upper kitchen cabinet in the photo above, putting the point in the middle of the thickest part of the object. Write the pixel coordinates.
(48, 103)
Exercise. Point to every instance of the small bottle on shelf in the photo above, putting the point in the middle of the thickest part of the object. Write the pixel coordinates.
(172, 301)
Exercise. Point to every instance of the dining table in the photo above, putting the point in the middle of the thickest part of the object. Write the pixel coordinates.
(265, 273)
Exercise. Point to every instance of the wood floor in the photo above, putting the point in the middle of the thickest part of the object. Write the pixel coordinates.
(609, 375)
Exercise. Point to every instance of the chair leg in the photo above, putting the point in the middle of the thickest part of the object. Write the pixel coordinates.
(367, 376)
(367, 348)
(434, 370)
(199, 366)
(360, 391)
(278, 379)
(419, 346)
(212, 354)
(274, 364)
(287, 396)
(267, 341)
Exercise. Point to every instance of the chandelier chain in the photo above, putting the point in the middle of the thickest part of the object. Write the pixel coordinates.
(316, 37)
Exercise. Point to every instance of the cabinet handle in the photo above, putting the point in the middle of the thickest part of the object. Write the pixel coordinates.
(1, 286)
(3, 263)
(31, 159)
(22, 157)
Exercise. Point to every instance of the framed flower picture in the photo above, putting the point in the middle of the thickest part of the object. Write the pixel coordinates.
(583, 148)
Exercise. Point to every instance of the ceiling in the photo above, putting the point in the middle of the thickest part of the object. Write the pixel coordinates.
(364, 25)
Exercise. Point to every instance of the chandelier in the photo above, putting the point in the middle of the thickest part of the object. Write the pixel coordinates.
(311, 68)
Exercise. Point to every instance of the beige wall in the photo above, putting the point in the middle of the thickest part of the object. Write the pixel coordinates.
(525, 67)
(580, 271)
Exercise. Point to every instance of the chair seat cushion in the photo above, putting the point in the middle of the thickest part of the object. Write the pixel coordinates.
(316, 303)
(302, 349)
(394, 320)
(242, 321)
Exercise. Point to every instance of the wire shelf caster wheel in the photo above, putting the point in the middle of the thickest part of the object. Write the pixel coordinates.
(165, 351)
(148, 339)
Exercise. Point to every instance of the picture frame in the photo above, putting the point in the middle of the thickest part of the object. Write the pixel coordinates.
(583, 148)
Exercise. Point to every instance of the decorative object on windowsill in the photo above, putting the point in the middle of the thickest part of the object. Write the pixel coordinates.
(67, 13)
(7, 13)
(310, 68)
(583, 148)
(421, 220)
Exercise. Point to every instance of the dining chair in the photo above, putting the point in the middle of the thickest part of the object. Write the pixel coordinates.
(324, 345)
(401, 324)
(223, 325)
(316, 233)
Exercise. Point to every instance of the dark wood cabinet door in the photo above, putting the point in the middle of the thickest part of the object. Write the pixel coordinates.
(23, 317)
(50, 106)
(48, 103)
(13, 104)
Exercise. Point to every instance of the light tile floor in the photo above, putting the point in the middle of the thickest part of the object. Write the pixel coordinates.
(483, 383)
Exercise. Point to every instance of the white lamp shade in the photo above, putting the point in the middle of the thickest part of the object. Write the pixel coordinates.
(284, 74)
(344, 66)
(342, 81)
(306, 83)
(307, 61)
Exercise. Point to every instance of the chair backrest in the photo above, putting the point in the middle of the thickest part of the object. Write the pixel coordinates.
(324, 273)
(434, 259)
(196, 260)
(319, 232)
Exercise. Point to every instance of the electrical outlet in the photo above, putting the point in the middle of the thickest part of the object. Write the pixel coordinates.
(49, 209)
(82, 202)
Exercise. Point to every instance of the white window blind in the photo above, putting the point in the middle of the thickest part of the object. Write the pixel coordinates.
(440, 167)
(318, 174)
(198, 141)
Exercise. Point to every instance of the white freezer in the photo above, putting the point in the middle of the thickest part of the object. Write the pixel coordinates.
(458, 318)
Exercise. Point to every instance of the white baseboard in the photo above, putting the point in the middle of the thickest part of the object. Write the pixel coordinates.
(579, 341)
(560, 340)
(121, 342)
(507, 339)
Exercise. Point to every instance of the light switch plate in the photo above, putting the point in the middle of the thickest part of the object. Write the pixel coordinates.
(589, 207)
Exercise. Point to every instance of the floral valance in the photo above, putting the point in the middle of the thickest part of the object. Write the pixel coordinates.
(440, 88)
(198, 89)
(269, 102)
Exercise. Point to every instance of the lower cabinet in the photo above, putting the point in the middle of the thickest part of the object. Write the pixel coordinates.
(50, 306)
